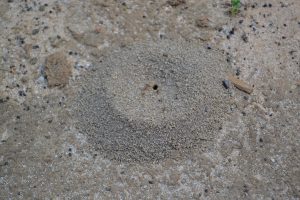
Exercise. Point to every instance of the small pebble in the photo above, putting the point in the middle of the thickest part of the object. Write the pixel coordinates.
(22, 93)
(35, 46)
(35, 31)
(226, 84)
(231, 32)
(238, 72)
(33, 61)
(244, 37)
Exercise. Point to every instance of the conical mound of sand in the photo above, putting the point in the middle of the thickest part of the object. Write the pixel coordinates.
(147, 101)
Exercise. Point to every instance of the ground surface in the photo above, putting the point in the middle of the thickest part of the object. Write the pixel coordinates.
(48, 47)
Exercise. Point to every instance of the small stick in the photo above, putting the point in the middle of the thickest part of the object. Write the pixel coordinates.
(241, 84)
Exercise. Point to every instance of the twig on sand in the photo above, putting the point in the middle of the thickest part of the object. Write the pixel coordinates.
(241, 84)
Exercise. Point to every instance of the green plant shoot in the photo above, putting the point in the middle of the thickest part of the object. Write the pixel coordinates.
(235, 5)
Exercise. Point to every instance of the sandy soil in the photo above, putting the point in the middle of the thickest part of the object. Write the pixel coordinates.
(47, 47)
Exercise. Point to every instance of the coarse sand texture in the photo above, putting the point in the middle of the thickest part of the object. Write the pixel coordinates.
(150, 101)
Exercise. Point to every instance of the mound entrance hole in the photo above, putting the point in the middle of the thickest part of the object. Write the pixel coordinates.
(155, 87)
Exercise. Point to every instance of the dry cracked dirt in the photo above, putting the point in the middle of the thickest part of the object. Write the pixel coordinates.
(125, 99)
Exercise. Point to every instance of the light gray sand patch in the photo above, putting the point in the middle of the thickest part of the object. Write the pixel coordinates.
(150, 101)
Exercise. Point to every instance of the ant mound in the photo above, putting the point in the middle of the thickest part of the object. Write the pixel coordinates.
(147, 102)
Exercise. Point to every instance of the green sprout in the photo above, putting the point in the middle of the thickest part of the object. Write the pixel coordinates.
(235, 5)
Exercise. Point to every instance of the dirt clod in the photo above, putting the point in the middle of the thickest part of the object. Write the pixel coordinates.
(202, 22)
(58, 70)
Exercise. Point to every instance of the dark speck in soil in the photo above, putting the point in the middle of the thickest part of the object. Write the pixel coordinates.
(260, 140)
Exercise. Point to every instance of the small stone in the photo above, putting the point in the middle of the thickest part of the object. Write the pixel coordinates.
(35, 31)
(175, 3)
(35, 46)
(22, 93)
(226, 84)
(238, 72)
(33, 61)
(57, 69)
(244, 38)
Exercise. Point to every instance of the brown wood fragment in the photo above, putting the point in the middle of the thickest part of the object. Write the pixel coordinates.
(240, 84)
